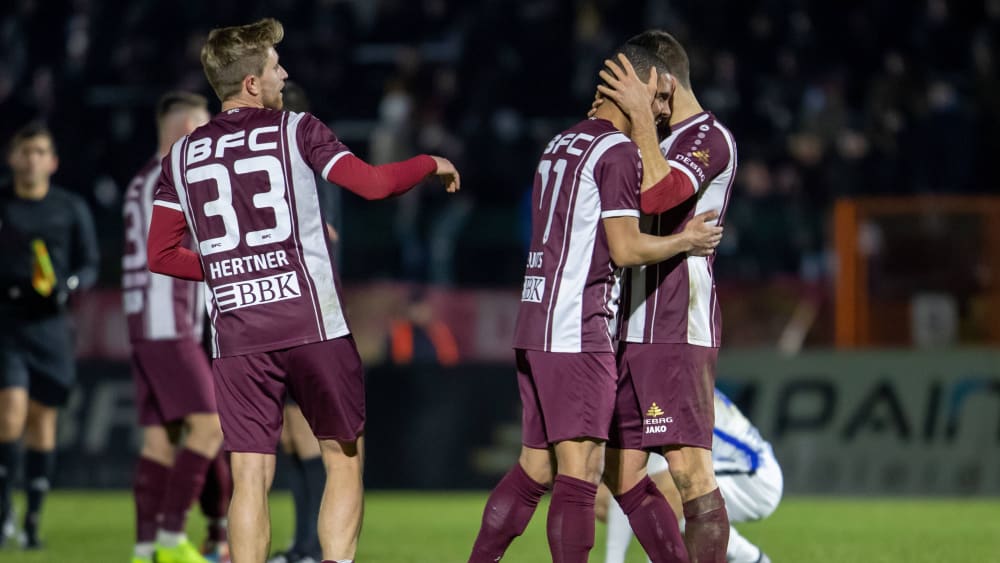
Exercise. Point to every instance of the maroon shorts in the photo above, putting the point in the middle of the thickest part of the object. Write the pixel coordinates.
(665, 396)
(325, 379)
(565, 395)
(172, 380)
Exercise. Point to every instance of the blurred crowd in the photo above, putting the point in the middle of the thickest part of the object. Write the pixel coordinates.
(826, 99)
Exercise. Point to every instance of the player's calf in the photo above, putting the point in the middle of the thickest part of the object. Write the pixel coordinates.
(706, 531)
(341, 508)
(249, 521)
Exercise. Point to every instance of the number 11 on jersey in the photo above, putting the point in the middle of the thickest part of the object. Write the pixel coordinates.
(544, 168)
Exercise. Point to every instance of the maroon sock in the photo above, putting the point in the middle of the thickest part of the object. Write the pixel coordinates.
(571, 520)
(186, 481)
(215, 497)
(653, 522)
(148, 487)
(507, 513)
(707, 529)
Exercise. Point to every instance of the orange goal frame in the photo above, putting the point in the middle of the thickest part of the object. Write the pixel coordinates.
(853, 305)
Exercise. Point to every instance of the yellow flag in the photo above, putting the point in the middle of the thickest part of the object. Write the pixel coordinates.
(43, 277)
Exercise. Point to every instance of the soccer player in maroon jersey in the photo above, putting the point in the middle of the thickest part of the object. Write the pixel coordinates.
(173, 379)
(244, 186)
(585, 227)
(671, 315)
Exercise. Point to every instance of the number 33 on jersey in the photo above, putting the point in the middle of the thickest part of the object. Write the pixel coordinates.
(247, 187)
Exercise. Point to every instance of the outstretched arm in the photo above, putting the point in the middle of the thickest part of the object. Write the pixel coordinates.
(387, 180)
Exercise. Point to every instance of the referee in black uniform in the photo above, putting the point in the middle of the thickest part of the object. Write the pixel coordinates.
(48, 250)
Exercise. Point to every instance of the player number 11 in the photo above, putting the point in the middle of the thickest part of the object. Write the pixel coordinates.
(222, 207)
(544, 168)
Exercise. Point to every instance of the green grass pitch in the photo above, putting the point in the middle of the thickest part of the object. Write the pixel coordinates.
(97, 527)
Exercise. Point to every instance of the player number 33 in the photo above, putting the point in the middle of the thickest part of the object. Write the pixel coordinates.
(222, 207)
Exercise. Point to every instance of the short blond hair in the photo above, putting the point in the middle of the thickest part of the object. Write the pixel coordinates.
(232, 53)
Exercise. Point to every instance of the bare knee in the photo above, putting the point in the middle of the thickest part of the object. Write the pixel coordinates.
(624, 469)
(301, 439)
(343, 456)
(156, 445)
(692, 472)
(205, 433)
(40, 427)
(252, 473)
(538, 464)
(13, 413)
(581, 459)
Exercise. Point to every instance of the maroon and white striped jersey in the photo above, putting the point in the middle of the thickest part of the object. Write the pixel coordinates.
(569, 300)
(157, 307)
(246, 182)
(675, 301)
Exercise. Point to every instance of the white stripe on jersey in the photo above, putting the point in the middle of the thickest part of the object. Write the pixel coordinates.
(286, 142)
(689, 174)
(567, 312)
(312, 235)
(612, 304)
(180, 185)
(158, 314)
(329, 165)
(702, 303)
(636, 326)
(674, 133)
(167, 204)
(636, 315)
(714, 196)
(699, 329)
(208, 300)
(620, 213)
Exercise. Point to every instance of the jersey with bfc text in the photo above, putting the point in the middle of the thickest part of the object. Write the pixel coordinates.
(569, 300)
(675, 301)
(246, 182)
(157, 307)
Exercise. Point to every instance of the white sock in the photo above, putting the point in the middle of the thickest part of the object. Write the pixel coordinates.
(169, 539)
(344, 561)
(144, 550)
(740, 550)
(619, 534)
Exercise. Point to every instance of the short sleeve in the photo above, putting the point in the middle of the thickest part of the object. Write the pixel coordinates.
(165, 194)
(700, 153)
(618, 174)
(320, 148)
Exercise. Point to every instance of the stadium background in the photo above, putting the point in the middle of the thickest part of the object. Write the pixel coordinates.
(863, 342)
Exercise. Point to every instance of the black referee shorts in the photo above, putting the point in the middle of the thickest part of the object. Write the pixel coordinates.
(38, 355)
